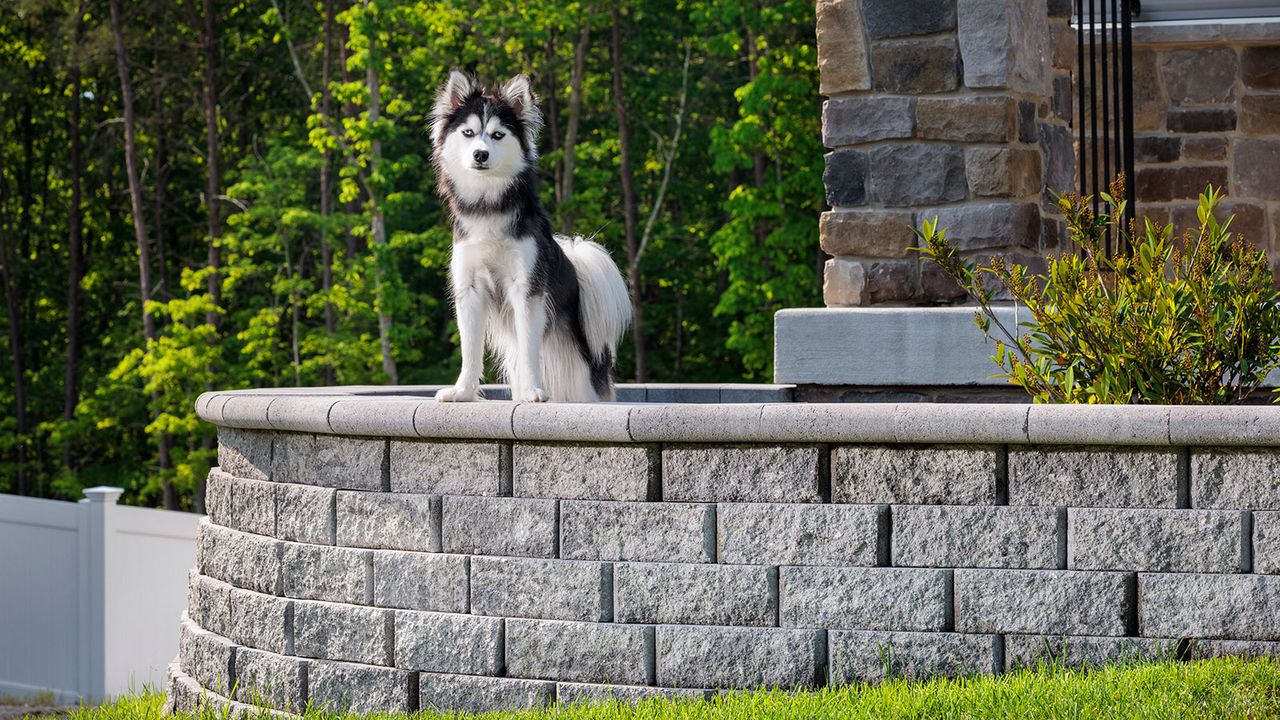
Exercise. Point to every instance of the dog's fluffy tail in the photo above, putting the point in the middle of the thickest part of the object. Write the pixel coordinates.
(606, 304)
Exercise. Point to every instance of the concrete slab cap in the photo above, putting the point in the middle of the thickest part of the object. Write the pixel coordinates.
(572, 422)
(697, 423)
(830, 422)
(383, 417)
(247, 411)
(967, 423)
(484, 420)
(301, 413)
(1098, 424)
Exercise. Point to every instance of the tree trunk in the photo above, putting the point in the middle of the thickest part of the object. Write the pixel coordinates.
(378, 231)
(571, 134)
(12, 302)
(213, 180)
(139, 220)
(326, 192)
(628, 196)
(75, 247)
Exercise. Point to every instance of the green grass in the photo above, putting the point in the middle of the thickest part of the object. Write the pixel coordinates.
(1219, 688)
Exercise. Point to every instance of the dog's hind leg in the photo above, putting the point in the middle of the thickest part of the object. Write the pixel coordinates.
(472, 305)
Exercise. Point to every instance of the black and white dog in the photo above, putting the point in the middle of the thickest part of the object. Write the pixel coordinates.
(552, 308)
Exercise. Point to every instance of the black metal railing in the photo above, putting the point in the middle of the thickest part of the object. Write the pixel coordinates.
(1104, 81)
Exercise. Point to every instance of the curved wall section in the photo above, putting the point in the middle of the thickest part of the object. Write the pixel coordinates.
(390, 553)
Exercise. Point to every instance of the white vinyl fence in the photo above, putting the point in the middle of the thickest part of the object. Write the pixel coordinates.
(90, 594)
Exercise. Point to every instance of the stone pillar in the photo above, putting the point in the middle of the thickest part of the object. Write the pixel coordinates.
(951, 108)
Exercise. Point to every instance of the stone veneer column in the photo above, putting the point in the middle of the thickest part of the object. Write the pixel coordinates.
(953, 108)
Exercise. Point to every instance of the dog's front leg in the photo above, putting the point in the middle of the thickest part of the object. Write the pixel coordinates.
(472, 304)
(530, 315)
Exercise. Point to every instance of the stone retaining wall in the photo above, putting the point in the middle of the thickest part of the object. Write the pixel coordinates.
(392, 553)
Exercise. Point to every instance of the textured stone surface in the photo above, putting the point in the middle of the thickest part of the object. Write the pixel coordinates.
(845, 177)
(864, 598)
(206, 657)
(465, 693)
(217, 497)
(866, 118)
(867, 233)
(788, 534)
(908, 17)
(445, 642)
(317, 572)
(1232, 607)
(978, 537)
(682, 594)
(917, 174)
(546, 589)
(1021, 651)
(891, 280)
(256, 620)
(842, 49)
(253, 506)
(246, 561)
(1204, 541)
(1256, 170)
(844, 283)
(1235, 479)
(420, 581)
(1002, 172)
(329, 461)
(1148, 99)
(208, 603)
(590, 472)
(597, 530)
(915, 67)
(1004, 44)
(560, 650)
(1260, 114)
(723, 657)
(522, 527)
(265, 678)
(1202, 121)
(1266, 542)
(393, 521)
(1156, 184)
(967, 119)
(741, 473)
(1093, 477)
(335, 686)
(1260, 67)
(1199, 76)
(594, 693)
(976, 226)
(875, 656)
(1048, 601)
(1203, 649)
(1201, 148)
(306, 514)
(944, 475)
(447, 468)
(245, 453)
(342, 632)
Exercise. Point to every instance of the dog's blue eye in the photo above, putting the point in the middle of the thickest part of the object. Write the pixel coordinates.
(498, 135)
(468, 132)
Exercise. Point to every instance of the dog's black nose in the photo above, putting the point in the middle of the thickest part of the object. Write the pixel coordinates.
(481, 156)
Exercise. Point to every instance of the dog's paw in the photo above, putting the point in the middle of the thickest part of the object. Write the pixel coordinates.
(534, 395)
(456, 394)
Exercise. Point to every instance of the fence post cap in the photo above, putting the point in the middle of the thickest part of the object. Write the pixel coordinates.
(103, 494)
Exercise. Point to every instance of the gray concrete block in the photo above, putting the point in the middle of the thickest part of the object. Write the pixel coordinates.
(1061, 424)
(864, 598)
(301, 413)
(684, 393)
(628, 531)
(374, 416)
(217, 497)
(1227, 607)
(209, 603)
(246, 561)
(1205, 649)
(585, 472)
(253, 506)
(916, 475)
(1059, 602)
(724, 657)
(184, 693)
(247, 411)
(974, 536)
(257, 620)
(596, 694)
(521, 527)
(360, 689)
(306, 513)
(420, 581)
(1094, 476)
(446, 642)
(741, 473)
(245, 453)
(683, 594)
(332, 631)
(320, 572)
(1235, 479)
(468, 694)
(573, 422)
(793, 534)
(874, 656)
(547, 589)
(961, 423)
(560, 650)
(1028, 651)
(330, 461)
(1205, 541)
(829, 422)
(272, 680)
(391, 521)
(1218, 425)
(697, 423)
(448, 468)
(1266, 543)
(206, 657)
(486, 420)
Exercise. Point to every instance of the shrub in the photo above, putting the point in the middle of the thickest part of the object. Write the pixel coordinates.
(1187, 321)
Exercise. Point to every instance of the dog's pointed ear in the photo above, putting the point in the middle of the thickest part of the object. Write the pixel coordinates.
(452, 95)
(518, 92)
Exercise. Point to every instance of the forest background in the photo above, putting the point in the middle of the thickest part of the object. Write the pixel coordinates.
(200, 194)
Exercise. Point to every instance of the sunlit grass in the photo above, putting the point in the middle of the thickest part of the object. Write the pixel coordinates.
(1218, 688)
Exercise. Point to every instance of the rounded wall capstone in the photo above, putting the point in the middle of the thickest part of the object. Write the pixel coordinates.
(390, 553)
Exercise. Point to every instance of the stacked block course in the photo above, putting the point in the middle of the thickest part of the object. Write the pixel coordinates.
(396, 554)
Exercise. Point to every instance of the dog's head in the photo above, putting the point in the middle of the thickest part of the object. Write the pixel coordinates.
(485, 140)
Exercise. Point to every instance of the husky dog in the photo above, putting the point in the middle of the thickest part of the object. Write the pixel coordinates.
(552, 308)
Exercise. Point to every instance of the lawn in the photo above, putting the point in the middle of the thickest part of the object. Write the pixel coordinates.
(1219, 688)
